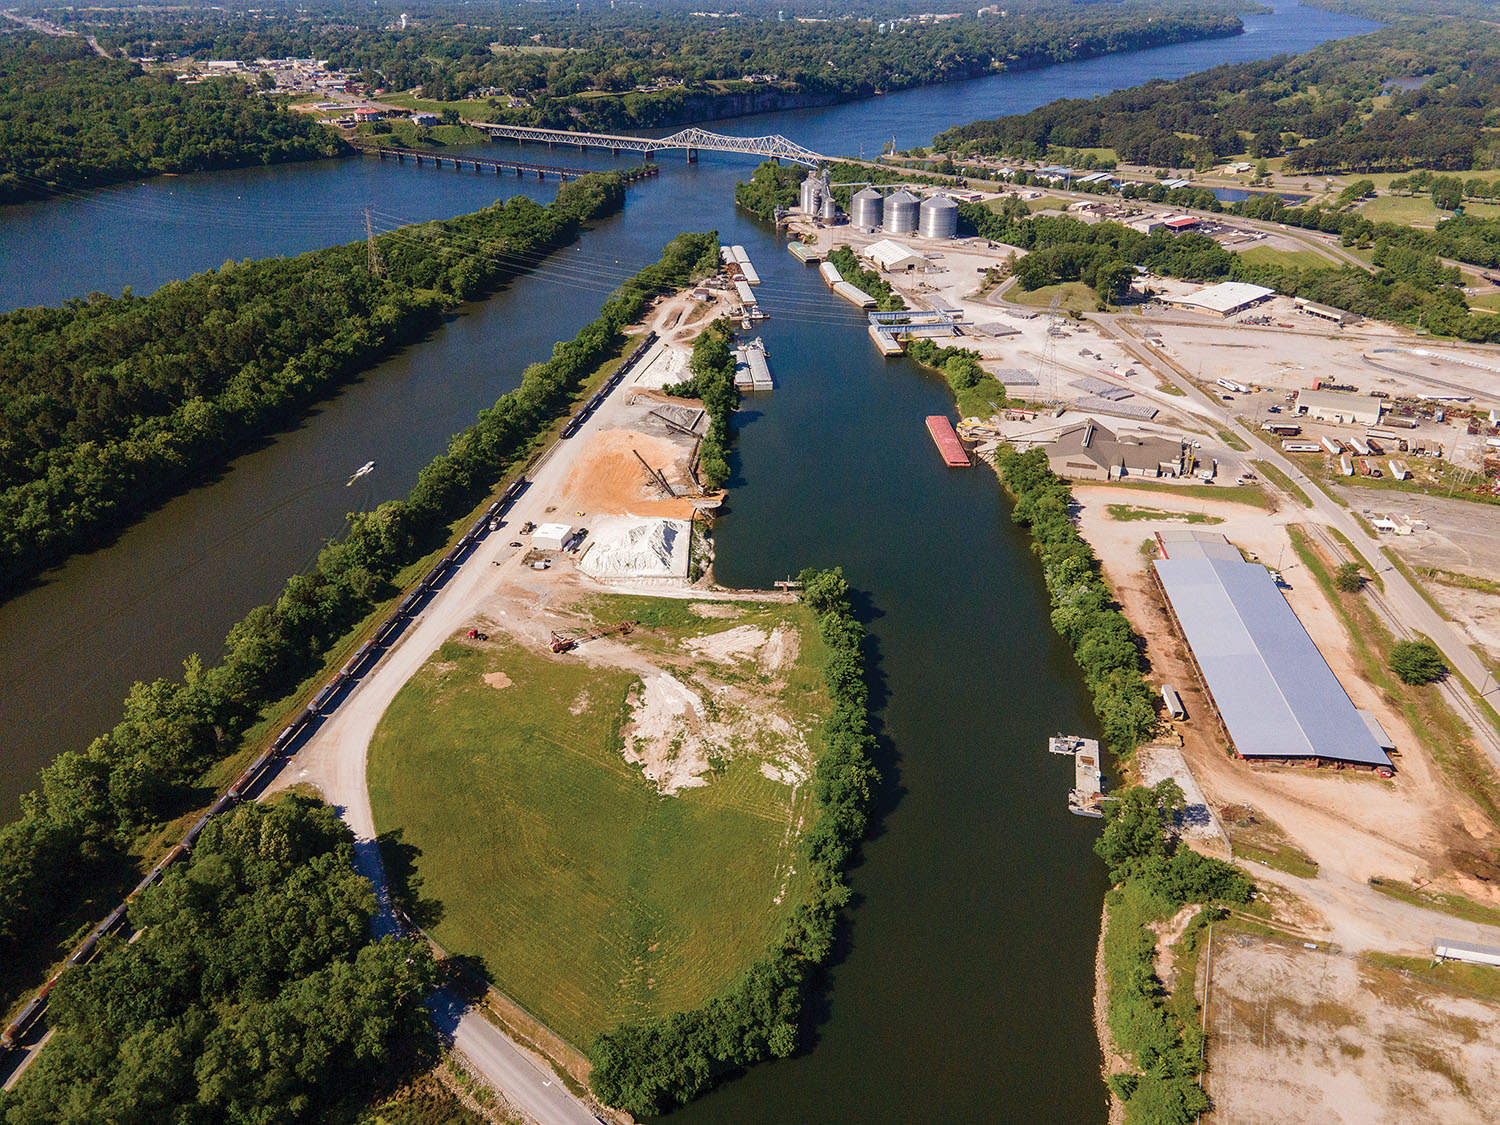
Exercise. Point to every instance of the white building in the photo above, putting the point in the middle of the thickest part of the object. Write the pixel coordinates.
(551, 536)
(1338, 406)
(890, 256)
(1224, 299)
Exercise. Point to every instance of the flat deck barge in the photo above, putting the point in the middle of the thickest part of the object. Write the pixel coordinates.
(947, 441)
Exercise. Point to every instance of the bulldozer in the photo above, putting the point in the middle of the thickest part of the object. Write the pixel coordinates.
(561, 642)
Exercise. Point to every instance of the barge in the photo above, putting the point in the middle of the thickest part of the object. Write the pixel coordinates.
(953, 451)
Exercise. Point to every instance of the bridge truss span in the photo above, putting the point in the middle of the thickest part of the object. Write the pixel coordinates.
(693, 140)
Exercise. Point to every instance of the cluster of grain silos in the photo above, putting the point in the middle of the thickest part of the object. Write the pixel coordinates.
(816, 198)
(811, 188)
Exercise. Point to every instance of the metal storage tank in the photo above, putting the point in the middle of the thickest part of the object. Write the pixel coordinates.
(939, 218)
(865, 208)
(830, 210)
(901, 213)
(809, 196)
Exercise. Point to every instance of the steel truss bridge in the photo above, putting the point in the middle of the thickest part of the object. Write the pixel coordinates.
(693, 140)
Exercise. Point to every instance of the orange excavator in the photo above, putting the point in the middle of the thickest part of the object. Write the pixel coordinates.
(562, 643)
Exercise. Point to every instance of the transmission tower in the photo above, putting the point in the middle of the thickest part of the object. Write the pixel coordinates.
(373, 251)
(1047, 374)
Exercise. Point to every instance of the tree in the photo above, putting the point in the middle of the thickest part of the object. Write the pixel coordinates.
(1349, 578)
(266, 81)
(1417, 662)
(1447, 193)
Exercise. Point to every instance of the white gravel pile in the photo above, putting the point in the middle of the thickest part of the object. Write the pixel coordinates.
(630, 548)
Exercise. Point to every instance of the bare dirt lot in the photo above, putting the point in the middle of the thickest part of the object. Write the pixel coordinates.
(1299, 1036)
(1351, 824)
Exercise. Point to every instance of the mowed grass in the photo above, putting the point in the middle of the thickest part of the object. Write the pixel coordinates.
(1402, 209)
(1295, 259)
(590, 899)
(1076, 296)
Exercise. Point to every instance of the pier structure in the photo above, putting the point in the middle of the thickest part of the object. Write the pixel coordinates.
(482, 163)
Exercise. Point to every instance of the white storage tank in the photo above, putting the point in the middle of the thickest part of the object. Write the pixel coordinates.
(939, 218)
(830, 210)
(901, 213)
(865, 208)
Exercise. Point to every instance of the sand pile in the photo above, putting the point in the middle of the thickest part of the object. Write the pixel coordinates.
(627, 548)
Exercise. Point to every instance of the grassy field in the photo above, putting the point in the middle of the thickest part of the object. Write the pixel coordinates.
(404, 134)
(1076, 296)
(1126, 513)
(1251, 494)
(1402, 209)
(590, 897)
(1296, 259)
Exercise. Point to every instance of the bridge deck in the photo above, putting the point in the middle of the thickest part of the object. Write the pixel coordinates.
(773, 147)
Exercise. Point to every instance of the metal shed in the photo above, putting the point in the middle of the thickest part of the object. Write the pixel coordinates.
(1274, 692)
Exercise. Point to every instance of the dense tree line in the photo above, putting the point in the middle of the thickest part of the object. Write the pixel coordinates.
(69, 119)
(978, 393)
(1333, 109)
(93, 804)
(647, 1068)
(712, 381)
(1083, 611)
(1154, 878)
(254, 993)
(112, 402)
(605, 67)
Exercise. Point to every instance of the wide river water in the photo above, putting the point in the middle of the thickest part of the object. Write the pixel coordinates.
(963, 988)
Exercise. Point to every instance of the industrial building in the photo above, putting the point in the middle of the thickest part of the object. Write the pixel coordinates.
(1224, 299)
(1273, 692)
(1088, 451)
(892, 257)
(1339, 406)
(1445, 949)
(1325, 312)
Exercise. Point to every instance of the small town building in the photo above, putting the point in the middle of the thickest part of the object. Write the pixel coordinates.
(1088, 451)
(424, 119)
(1325, 312)
(1181, 222)
(890, 256)
(1146, 223)
(1339, 406)
(365, 113)
(1224, 299)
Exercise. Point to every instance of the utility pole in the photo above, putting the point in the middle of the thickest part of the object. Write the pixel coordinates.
(372, 251)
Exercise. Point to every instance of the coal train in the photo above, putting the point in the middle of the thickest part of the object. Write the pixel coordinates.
(357, 665)
(582, 415)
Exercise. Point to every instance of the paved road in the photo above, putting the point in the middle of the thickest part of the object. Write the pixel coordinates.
(334, 761)
(1400, 601)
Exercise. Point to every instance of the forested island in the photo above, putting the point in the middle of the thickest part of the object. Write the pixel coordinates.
(1418, 94)
(111, 403)
(71, 120)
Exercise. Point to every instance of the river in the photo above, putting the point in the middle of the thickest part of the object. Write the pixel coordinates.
(963, 989)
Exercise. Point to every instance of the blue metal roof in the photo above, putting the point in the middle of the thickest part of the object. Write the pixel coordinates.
(1274, 690)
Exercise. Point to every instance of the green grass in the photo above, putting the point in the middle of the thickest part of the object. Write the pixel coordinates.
(1292, 259)
(1128, 512)
(590, 898)
(1234, 441)
(1482, 980)
(1446, 736)
(1489, 301)
(406, 135)
(1076, 296)
(1251, 494)
(474, 109)
(1282, 481)
(1456, 905)
(1404, 209)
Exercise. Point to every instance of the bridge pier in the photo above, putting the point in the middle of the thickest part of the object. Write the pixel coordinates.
(650, 157)
(614, 152)
(692, 155)
(401, 158)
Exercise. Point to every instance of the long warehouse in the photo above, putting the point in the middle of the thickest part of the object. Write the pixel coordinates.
(1274, 692)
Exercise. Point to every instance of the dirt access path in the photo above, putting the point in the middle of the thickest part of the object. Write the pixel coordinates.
(1352, 824)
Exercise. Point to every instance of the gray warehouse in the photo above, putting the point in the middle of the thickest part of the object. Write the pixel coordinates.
(1275, 694)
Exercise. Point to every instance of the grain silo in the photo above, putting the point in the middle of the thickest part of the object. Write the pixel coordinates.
(809, 196)
(901, 213)
(939, 218)
(830, 209)
(865, 209)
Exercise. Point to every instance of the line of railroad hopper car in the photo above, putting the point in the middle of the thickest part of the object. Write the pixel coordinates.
(353, 669)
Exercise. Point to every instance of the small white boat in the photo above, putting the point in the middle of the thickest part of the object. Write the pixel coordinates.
(364, 470)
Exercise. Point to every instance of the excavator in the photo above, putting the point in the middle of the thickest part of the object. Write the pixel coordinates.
(562, 643)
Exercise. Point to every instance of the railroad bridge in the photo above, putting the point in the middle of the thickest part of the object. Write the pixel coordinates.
(520, 167)
(693, 140)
